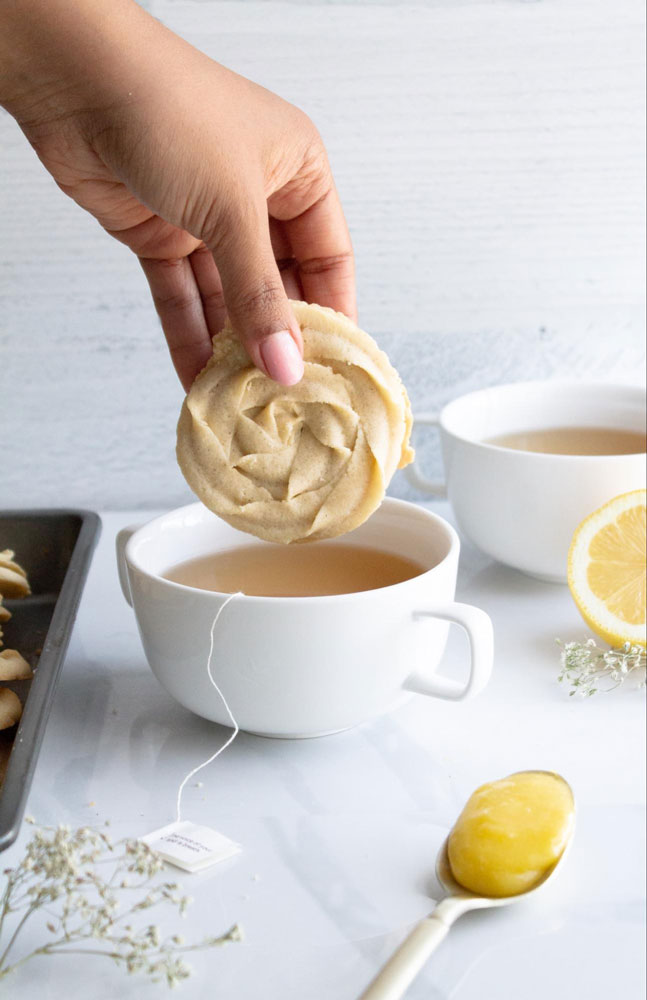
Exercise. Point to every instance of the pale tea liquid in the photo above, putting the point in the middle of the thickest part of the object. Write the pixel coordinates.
(575, 441)
(313, 569)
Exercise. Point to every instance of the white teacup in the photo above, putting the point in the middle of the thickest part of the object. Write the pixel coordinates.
(301, 666)
(522, 507)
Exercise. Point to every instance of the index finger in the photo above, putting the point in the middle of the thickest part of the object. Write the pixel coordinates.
(323, 251)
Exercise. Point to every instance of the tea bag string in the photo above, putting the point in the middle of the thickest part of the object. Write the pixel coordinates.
(233, 736)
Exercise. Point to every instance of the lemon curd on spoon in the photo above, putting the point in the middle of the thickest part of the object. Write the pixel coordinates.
(511, 833)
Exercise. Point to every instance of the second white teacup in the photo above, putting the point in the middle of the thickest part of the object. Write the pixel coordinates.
(302, 666)
(522, 507)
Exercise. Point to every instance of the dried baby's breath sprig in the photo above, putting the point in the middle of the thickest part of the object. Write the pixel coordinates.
(588, 668)
(59, 886)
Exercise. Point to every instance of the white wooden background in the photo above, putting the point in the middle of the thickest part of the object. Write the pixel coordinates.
(489, 158)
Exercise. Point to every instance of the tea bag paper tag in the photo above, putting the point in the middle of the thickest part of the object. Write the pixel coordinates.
(190, 846)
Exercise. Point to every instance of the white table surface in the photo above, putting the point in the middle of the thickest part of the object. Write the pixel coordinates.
(339, 834)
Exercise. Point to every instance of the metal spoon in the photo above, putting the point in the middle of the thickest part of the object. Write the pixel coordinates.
(396, 976)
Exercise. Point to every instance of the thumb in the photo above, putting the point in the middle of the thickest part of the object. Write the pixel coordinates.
(257, 305)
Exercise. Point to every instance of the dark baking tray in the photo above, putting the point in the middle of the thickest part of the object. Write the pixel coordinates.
(55, 548)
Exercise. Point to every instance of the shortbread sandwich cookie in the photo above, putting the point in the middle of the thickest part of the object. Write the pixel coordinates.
(303, 462)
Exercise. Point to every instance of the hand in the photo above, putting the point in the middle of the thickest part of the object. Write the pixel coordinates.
(221, 188)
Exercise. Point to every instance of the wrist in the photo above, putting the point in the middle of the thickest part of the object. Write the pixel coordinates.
(57, 58)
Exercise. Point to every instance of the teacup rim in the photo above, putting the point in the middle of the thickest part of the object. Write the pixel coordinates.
(639, 391)
(452, 534)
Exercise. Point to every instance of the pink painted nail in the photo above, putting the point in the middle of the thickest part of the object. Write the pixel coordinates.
(281, 358)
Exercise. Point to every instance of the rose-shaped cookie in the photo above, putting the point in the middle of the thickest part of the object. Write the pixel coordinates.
(305, 462)
(13, 579)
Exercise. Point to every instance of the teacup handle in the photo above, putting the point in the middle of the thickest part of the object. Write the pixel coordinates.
(431, 487)
(481, 638)
(123, 537)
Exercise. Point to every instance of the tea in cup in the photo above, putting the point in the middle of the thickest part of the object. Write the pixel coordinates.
(329, 634)
(526, 463)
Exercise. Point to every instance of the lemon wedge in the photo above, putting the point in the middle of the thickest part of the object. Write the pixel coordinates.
(606, 569)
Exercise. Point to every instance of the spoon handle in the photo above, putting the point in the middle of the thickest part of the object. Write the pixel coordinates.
(404, 965)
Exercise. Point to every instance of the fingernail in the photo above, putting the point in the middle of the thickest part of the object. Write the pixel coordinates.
(281, 358)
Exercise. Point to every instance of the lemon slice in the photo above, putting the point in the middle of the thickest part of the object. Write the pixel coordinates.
(606, 569)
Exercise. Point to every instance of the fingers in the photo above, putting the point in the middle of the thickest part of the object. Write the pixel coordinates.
(256, 299)
(180, 308)
(321, 244)
(210, 288)
(189, 299)
(192, 295)
(286, 262)
(290, 277)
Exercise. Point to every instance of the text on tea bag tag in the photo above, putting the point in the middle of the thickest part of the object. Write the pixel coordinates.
(190, 846)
